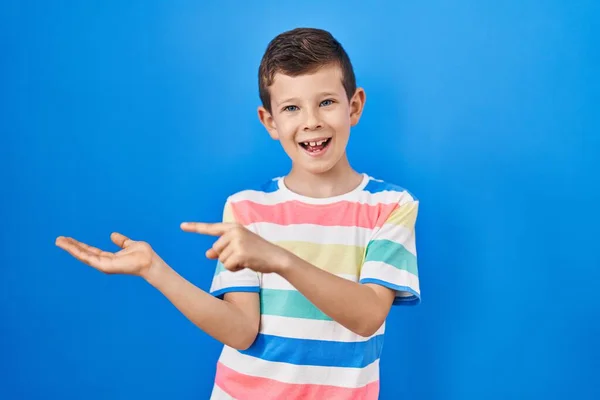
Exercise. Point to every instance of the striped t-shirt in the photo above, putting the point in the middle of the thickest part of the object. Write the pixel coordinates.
(366, 236)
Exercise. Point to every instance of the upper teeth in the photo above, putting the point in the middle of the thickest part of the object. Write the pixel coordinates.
(315, 143)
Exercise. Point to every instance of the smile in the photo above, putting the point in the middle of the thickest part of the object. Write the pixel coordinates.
(315, 147)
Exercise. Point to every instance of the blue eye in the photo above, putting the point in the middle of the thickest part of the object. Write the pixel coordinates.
(327, 102)
(290, 108)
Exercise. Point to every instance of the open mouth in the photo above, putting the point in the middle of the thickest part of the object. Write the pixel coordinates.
(317, 146)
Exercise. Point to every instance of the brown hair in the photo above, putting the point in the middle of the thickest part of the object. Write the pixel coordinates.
(300, 51)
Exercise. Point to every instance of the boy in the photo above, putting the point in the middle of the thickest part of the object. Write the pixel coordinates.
(309, 264)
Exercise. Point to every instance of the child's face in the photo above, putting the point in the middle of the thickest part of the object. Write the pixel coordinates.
(311, 117)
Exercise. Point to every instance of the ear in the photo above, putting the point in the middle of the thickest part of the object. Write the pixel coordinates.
(357, 104)
(268, 122)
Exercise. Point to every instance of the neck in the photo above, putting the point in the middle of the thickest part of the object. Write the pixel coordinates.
(341, 179)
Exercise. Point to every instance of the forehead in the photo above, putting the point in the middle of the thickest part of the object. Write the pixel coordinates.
(325, 79)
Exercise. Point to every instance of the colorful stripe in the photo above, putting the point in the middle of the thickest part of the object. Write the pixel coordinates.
(391, 253)
(334, 258)
(235, 289)
(289, 303)
(249, 387)
(228, 213)
(405, 215)
(316, 352)
(344, 213)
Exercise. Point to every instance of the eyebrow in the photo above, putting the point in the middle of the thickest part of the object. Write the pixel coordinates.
(294, 99)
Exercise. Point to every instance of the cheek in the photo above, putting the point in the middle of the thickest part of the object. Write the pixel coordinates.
(286, 130)
(339, 122)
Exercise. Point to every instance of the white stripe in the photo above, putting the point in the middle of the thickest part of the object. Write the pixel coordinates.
(276, 281)
(244, 278)
(219, 394)
(389, 273)
(385, 197)
(318, 234)
(301, 328)
(277, 197)
(342, 235)
(300, 374)
(399, 234)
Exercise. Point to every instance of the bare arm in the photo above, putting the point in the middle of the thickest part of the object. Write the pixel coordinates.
(362, 308)
(233, 321)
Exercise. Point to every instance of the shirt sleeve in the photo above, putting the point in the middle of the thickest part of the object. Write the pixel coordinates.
(225, 281)
(391, 256)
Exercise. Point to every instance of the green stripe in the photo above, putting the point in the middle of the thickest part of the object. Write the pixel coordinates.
(220, 268)
(289, 303)
(391, 253)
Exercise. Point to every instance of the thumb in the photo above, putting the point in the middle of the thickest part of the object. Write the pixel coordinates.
(120, 240)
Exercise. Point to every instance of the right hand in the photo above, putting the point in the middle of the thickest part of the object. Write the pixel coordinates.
(135, 258)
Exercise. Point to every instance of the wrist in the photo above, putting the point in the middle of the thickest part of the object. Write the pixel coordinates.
(155, 273)
(286, 262)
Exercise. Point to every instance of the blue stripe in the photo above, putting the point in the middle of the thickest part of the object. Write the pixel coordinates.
(375, 187)
(221, 292)
(399, 300)
(270, 186)
(316, 352)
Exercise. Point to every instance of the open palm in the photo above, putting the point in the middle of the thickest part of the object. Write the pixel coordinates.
(135, 258)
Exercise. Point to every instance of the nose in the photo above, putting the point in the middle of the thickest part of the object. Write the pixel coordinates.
(313, 121)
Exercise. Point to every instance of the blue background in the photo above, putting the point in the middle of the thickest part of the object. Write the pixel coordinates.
(135, 116)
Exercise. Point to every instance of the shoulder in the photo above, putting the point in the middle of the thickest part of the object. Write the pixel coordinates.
(379, 190)
(396, 205)
(265, 192)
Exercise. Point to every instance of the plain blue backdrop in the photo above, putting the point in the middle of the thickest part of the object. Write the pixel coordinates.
(136, 116)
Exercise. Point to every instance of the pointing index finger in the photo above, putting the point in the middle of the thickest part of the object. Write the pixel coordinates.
(205, 228)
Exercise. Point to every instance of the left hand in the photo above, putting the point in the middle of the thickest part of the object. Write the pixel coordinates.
(238, 248)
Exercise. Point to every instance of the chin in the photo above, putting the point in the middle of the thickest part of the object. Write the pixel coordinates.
(317, 167)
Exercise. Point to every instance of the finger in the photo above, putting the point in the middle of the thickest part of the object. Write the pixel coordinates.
(232, 263)
(225, 255)
(87, 254)
(211, 254)
(218, 247)
(120, 240)
(221, 244)
(70, 242)
(64, 242)
(206, 229)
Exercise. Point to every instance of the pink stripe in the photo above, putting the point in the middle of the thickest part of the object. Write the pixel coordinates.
(343, 213)
(248, 387)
